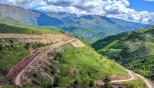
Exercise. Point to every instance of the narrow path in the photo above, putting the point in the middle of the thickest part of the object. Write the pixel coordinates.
(30, 36)
(51, 78)
(132, 77)
(149, 84)
(47, 62)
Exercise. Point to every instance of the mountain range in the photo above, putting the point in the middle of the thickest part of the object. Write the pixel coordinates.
(88, 27)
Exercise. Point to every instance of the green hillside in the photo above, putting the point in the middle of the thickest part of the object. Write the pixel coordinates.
(134, 50)
(87, 64)
(77, 66)
(12, 26)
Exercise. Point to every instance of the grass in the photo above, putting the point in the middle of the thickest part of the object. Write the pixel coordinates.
(4, 28)
(107, 47)
(84, 65)
(42, 81)
(139, 83)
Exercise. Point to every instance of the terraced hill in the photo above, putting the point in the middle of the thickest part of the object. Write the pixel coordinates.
(70, 62)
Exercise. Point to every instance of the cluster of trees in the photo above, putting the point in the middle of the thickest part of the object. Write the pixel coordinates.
(34, 45)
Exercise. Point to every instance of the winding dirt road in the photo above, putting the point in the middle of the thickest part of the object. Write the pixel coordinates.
(18, 78)
(147, 82)
(133, 76)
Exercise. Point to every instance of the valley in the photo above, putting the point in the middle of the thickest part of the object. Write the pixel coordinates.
(76, 44)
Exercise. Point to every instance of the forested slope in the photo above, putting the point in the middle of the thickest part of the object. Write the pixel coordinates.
(134, 50)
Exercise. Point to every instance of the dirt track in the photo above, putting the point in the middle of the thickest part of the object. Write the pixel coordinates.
(57, 41)
(132, 77)
(147, 82)
(17, 80)
(52, 36)
(45, 38)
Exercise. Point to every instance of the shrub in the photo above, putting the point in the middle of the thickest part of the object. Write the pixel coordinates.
(106, 81)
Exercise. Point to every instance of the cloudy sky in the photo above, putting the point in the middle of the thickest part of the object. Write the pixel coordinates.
(141, 11)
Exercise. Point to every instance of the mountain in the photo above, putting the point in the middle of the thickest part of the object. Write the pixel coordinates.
(27, 16)
(92, 27)
(134, 50)
(65, 17)
(88, 27)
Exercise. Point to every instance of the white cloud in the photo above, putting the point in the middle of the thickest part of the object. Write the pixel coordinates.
(25, 3)
(111, 8)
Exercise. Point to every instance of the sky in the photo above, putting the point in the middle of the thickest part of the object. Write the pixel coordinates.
(141, 11)
(141, 5)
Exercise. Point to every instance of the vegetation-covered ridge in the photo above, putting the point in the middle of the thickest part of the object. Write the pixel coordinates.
(12, 26)
(134, 50)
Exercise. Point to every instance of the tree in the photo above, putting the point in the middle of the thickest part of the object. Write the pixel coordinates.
(27, 46)
(91, 83)
(56, 81)
(0, 47)
(106, 81)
